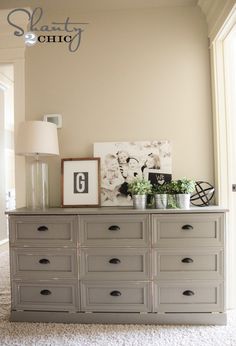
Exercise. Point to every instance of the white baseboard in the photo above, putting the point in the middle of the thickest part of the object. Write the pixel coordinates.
(4, 241)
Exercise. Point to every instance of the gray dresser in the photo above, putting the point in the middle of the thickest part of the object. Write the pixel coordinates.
(118, 265)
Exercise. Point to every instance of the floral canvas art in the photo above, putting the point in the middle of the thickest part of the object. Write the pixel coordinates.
(121, 162)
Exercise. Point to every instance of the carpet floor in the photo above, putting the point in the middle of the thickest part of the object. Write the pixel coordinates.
(31, 334)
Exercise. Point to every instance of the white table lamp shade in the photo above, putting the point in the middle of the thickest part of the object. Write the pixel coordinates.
(37, 137)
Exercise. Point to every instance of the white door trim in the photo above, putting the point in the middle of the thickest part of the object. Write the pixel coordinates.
(12, 51)
(222, 143)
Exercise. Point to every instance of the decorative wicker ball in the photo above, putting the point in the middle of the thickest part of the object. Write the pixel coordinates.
(204, 192)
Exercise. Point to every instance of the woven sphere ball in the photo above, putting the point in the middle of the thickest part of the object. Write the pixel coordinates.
(204, 192)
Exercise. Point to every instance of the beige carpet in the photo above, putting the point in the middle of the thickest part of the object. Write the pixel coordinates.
(30, 334)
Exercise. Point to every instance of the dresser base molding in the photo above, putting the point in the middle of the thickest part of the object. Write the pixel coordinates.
(120, 318)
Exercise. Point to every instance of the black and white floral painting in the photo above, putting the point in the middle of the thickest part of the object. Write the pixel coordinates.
(121, 162)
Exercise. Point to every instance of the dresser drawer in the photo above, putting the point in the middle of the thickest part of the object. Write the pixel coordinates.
(44, 296)
(115, 264)
(188, 296)
(44, 263)
(43, 230)
(187, 264)
(115, 296)
(114, 230)
(188, 230)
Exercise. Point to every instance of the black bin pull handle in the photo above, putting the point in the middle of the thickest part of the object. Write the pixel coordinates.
(188, 293)
(187, 260)
(114, 228)
(44, 261)
(115, 293)
(45, 292)
(42, 228)
(188, 227)
(114, 261)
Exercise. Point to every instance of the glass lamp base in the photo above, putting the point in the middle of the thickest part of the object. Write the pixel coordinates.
(37, 185)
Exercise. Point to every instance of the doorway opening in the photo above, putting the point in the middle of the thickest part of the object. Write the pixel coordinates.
(7, 154)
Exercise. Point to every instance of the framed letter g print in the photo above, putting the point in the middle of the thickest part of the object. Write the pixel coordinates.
(80, 182)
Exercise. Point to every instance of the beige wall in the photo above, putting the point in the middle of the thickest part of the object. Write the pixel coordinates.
(138, 74)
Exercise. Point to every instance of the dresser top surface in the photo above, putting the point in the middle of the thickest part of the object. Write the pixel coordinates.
(113, 210)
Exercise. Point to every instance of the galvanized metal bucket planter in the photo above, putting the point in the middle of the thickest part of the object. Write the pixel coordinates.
(161, 201)
(183, 200)
(140, 201)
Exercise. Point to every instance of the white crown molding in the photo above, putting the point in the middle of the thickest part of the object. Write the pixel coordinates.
(216, 13)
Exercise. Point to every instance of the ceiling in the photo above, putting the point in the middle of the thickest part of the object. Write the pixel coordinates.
(85, 5)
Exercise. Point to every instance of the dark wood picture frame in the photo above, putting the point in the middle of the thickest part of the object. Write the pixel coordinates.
(80, 182)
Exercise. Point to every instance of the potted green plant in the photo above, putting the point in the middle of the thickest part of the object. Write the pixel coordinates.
(160, 193)
(139, 189)
(182, 188)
